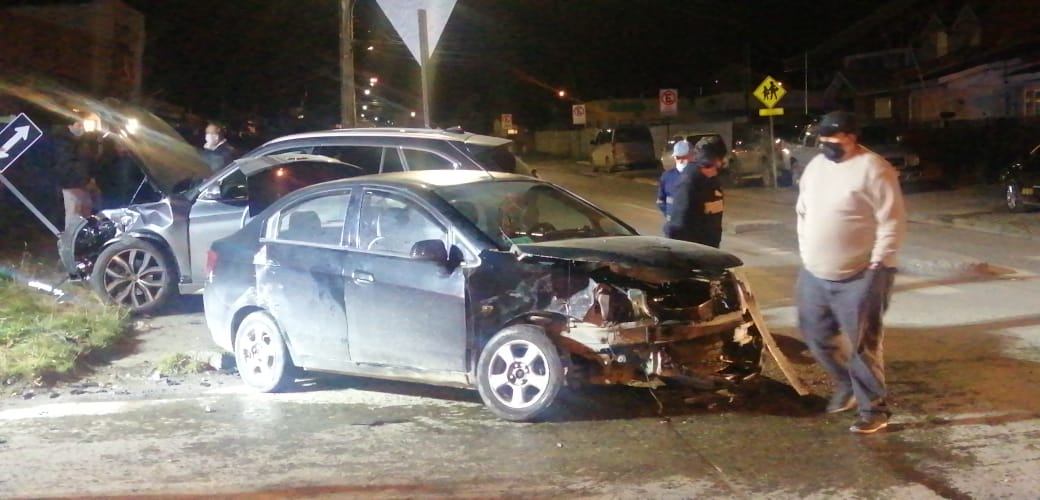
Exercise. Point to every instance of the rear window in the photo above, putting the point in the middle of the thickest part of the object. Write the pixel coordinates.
(494, 158)
(633, 134)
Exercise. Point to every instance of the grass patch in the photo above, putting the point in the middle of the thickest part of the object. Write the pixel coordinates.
(180, 364)
(41, 338)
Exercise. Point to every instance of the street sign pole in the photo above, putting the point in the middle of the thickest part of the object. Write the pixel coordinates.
(772, 152)
(424, 59)
(28, 204)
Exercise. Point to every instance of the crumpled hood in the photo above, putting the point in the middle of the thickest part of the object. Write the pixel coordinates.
(170, 163)
(634, 251)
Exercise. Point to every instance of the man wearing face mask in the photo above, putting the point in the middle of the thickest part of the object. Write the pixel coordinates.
(851, 222)
(670, 178)
(216, 150)
(695, 213)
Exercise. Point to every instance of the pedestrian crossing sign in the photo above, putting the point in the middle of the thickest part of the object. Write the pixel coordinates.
(769, 92)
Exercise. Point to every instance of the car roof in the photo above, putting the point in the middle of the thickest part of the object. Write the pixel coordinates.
(424, 179)
(410, 133)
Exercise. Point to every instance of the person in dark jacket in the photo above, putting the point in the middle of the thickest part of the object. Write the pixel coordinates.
(695, 213)
(73, 160)
(216, 150)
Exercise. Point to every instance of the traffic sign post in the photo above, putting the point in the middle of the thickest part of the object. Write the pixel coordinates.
(578, 114)
(16, 138)
(769, 92)
(669, 101)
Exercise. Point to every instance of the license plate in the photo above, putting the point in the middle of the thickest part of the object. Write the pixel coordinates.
(1027, 191)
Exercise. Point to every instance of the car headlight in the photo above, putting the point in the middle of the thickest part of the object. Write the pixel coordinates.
(913, 160)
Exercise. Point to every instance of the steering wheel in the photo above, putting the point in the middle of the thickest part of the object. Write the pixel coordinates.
(542, 228)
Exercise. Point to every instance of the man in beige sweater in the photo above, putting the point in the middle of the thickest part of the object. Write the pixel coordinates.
(851, 222)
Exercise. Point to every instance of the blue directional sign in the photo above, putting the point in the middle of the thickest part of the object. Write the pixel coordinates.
(17, 137)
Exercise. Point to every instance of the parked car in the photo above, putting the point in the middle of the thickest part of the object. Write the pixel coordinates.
(627, 146)
(1022, 182)
(144, 254)
(507, 284)
(382, 150)
(668, 161)
(750, 161)
(878, 138)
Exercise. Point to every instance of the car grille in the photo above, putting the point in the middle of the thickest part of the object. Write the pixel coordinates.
(694, 299)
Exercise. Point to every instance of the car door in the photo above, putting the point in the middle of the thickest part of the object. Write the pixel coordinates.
(217, 212)
(402, 311)
(301, 278)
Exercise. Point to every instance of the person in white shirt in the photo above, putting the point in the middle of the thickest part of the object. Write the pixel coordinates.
(851, 222)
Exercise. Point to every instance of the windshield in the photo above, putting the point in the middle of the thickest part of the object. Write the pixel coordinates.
(518, 212)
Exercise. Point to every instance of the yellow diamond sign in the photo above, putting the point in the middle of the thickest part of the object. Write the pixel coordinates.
(769, 91)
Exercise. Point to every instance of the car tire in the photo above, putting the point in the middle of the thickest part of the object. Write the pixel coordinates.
(261, 356)
(1013, 197)
(519, 373)
(136, 274)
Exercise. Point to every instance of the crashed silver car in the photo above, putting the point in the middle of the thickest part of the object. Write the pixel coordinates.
(144, 254)
(501, 283)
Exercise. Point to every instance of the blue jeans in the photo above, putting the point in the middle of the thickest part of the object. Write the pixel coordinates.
(841, 323)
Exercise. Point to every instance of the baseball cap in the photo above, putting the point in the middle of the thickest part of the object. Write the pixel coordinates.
(711, 148)
(681, 148)
(837, 122)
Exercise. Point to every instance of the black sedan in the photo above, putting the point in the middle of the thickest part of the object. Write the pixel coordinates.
(1022, 182)
(496, 282)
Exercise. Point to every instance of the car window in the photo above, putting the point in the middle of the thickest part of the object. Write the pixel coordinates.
(317, 220)
(497, 159)
(417, 159)
(366, 157)
(603, 137)
(522, 212)
(233, 186)
(392, 223)
(392, 160)
(633, 134)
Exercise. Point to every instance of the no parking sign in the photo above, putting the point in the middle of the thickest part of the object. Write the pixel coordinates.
(669, 100)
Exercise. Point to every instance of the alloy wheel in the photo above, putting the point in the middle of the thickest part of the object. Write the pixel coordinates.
(135, 278)
(518, 374)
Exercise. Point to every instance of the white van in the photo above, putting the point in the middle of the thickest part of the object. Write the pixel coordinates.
(630, 146)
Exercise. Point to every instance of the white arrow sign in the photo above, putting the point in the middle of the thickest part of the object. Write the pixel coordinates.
(20, 134)
(404, 16)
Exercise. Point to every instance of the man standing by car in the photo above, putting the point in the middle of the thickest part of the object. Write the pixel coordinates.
(695, 213)
(216, 150)
(851, 222)
(73, 157)
(670, 178)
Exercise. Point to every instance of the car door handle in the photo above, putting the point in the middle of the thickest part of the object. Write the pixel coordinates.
(362, 277)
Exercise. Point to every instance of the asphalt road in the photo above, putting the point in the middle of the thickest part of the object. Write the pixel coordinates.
(962, 348)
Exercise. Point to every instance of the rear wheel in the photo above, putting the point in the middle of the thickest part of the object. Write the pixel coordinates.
(136, 274)
(1013, 197)
(261, 356)
(519, 374)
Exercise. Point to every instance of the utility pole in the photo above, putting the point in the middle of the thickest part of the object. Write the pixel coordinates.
(347, 93)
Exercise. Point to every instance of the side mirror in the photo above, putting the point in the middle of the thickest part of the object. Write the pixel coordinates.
(211, 193)
(435, 251)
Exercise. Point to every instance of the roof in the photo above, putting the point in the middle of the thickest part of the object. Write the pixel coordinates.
(420, 133)
(430, 179)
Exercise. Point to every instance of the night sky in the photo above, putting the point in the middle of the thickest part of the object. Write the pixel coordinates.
(234, 58)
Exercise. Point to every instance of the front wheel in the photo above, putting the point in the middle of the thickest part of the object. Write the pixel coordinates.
(1013, 197)
(261, 356)
(519, 374)
(136, 274)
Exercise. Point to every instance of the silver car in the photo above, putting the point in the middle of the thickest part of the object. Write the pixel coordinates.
(143, 255)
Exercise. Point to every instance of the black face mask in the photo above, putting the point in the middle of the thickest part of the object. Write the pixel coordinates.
(833, 151)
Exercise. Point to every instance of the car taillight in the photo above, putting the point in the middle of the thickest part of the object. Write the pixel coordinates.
(211, 261)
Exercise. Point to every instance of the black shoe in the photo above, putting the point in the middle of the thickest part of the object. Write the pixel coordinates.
(841, 401)
(870, 424)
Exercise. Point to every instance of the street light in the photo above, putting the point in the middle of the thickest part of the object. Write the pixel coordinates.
(562, 93)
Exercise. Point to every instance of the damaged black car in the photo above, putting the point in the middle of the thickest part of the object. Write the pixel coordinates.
(501, 283)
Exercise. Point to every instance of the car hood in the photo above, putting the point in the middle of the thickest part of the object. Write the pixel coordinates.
(170, 163)
(634, 251)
